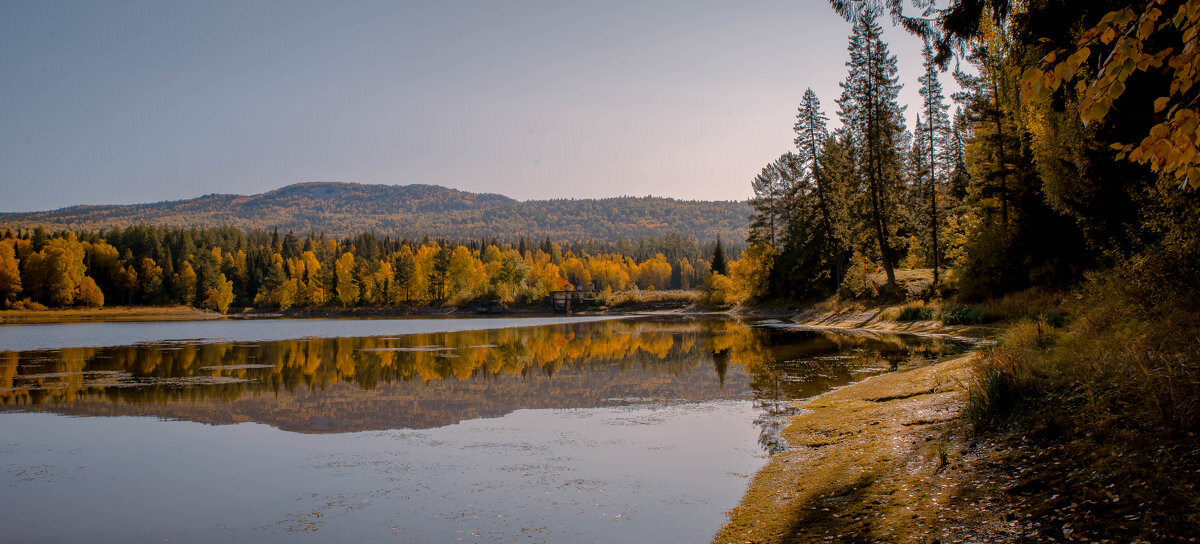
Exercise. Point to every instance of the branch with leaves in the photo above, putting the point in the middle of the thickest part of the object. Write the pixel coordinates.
(1160, 36)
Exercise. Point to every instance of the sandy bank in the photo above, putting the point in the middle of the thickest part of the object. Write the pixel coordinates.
(880, 460)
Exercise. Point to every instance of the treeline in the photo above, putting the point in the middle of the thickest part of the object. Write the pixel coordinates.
(1012, 189)
(216, 268)
(414, 211)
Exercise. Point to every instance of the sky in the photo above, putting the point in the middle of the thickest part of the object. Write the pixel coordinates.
(118, 102)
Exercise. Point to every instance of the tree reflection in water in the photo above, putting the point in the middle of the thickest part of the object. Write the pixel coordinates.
(430, 380)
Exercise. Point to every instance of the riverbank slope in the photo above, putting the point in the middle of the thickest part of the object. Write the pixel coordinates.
(880, 460)
(1080, 424)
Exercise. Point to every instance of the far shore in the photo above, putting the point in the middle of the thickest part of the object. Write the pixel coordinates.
(185, 313)
(110, 314)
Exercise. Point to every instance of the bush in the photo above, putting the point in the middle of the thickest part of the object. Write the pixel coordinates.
(1010, 372)
(89, 294)
(1053, 319)
(1028, 304)
(720, 291)
(857, 281)
(916, 312)
(26, 304)
(965, 315)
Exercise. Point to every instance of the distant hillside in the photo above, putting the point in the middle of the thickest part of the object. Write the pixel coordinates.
(342, 209)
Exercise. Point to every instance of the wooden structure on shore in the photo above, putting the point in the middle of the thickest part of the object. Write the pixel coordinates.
(565, 302)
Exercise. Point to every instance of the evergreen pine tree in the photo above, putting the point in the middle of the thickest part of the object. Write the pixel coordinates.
(957, 154)
(437, 278)
(39, 239)
(869, 107)
(932, 140)
(719, 264)
(764, 222)
(404, 271)
(984, 96)
(811, 135)
(775, 190)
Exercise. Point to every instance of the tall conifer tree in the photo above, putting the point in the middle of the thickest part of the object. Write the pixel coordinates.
(720, 265)
(999, 150)
(869, 107)
(811, 134)
(932, 141)
(957, 155)
(767, 203)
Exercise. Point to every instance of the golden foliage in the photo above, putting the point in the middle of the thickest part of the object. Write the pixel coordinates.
(1161, 36)
(89, 294)
(10, 273)
(219, 296)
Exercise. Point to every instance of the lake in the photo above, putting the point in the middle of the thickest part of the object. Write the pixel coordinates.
(593, 429)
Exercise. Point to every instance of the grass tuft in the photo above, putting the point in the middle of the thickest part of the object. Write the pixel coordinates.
(917, 311)
(966, 315)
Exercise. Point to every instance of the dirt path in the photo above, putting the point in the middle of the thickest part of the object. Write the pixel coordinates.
(883, 460)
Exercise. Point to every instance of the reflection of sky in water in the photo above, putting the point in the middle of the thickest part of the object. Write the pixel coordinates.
(624, 474)
(615, 430)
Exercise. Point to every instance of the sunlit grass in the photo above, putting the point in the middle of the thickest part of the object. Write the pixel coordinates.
(115, 313)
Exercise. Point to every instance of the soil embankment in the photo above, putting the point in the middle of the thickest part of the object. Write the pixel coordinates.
(888, 459)
(881, 460)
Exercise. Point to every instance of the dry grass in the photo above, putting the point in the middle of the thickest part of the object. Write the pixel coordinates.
(913, 283)
(1117, 394)
(117, 313)
(1037, 303)
(621, 299)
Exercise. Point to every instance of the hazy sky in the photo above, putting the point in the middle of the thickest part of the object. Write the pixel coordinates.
(106, 102)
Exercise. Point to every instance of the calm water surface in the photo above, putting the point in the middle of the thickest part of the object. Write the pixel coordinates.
(497, 430)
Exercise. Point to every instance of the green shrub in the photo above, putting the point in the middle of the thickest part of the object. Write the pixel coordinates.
(965, 315)
(1053, 319)
(916, 312)
(857, 281)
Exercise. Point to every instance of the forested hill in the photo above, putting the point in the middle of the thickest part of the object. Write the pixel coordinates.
(344, 209)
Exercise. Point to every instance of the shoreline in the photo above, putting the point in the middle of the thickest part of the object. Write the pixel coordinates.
(113, 314)
(886, 459)
(883, 459)
(116, 314)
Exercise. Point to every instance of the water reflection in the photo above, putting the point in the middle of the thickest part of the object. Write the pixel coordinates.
(419, 381)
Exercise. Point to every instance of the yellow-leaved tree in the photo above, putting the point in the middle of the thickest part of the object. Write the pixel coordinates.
(654, 273)
(347, 286)
(219, 296)
(10, 274)
(184, 283)
(749, 274)
(466, 276)
(89, 294)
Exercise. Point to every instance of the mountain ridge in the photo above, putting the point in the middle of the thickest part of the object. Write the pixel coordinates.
(344, 209)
